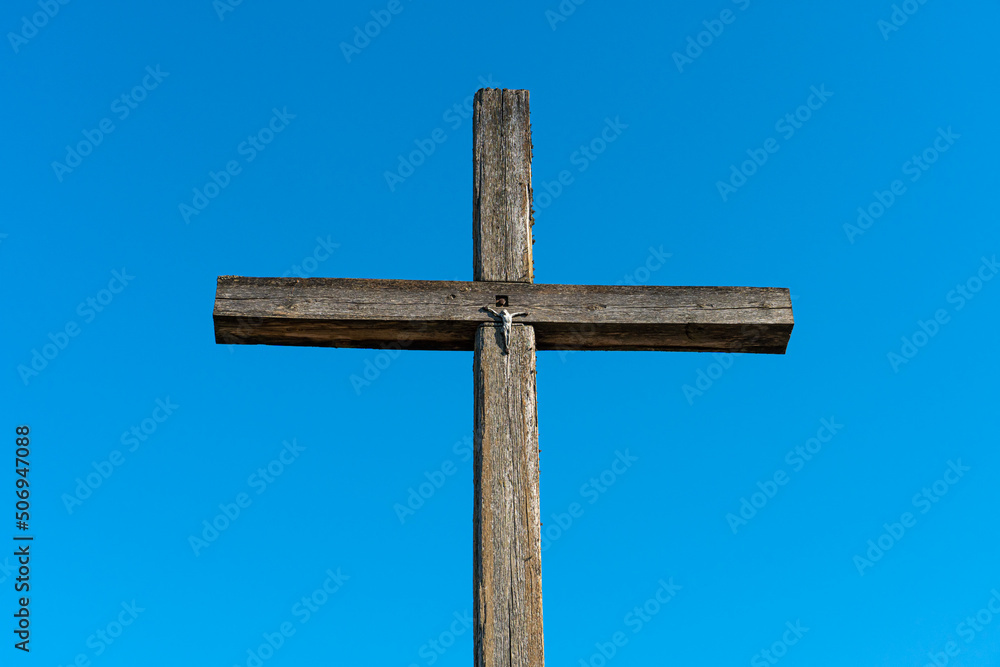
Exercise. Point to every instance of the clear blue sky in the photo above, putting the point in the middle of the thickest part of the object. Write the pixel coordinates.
(152, 148)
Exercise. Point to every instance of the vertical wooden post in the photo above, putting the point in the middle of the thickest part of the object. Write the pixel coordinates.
(507, 568)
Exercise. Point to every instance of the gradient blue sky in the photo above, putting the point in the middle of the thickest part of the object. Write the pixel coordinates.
(316, 200)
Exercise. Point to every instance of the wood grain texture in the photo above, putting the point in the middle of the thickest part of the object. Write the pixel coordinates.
(501, 185)
(507, 577)
(444, 315)
(507, 566)
(452, 315)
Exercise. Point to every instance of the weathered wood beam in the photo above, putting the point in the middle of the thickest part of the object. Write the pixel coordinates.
(501, 187)
(444, 315)
(506, 520)
(507, 580)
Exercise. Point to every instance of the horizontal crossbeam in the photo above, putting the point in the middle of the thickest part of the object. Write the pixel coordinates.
(443, 315)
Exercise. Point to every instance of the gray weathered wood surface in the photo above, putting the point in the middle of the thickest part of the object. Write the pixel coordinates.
(507, 558)
(507, 580)
(501, 186)
(450, 315)
(444, 315)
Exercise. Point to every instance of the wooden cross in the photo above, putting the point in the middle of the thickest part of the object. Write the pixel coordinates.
(439, 315)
